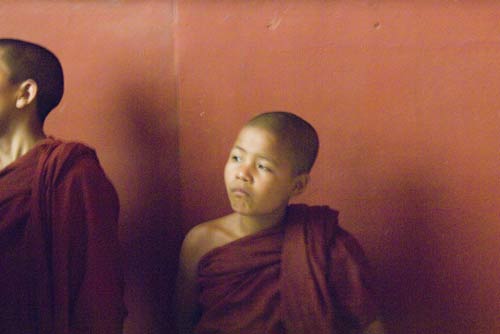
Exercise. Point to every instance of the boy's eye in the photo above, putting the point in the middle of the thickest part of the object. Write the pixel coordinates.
(263, 167)
(235, 158)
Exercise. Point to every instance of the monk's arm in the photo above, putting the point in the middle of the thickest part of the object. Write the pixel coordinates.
(352, 280)
(186, 294)
(87, 258)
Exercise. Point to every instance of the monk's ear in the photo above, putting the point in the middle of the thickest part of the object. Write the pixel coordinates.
(27, 93)
(300, 184)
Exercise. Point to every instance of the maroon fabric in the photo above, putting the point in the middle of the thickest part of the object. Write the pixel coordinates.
(305, 276)
(60, 269)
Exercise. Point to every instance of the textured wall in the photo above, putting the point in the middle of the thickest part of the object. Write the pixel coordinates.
(405, 97)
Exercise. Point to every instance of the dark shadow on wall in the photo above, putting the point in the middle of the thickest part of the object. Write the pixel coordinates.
(149, 194)
(413, 296)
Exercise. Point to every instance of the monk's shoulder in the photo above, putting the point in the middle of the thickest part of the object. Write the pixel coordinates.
(206, 236)
(206, 230)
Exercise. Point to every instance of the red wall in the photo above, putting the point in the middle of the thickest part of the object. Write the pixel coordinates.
(121, 99)
(405, 97)
(403, 94)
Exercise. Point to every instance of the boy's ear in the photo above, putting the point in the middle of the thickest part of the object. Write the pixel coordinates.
(27, 93)
(301, 182)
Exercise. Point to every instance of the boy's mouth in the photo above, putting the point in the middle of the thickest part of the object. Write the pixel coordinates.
(239, 192)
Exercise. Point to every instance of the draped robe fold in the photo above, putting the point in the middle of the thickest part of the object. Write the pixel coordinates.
(60, 270)
(306, 275)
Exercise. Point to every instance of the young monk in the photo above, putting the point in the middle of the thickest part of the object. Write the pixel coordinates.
(270, 267)
(59, 254)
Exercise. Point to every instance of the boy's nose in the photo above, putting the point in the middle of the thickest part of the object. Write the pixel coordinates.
(243, 174)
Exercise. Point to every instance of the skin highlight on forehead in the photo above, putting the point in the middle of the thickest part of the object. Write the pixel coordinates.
(3, 65)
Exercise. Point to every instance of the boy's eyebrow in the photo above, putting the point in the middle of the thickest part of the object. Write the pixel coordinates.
(273, 161)
(239, 148)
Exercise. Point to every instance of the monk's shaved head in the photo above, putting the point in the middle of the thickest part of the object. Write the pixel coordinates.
(25, 61)
(298, 136)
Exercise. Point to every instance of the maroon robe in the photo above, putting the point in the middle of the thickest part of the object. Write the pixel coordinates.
(305, 276)
(60, 270)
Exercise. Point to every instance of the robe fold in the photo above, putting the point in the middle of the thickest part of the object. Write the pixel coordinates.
(306, 275)
(60, 265)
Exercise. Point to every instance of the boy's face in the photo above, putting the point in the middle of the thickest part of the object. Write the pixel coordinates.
(259, 175)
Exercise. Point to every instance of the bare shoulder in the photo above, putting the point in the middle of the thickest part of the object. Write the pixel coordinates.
(206, 236)
(198, 241)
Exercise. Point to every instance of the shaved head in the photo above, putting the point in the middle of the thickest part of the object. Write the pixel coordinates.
(25, 61)
(297, 135)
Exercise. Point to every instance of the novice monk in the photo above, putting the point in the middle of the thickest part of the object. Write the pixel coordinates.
(59, 254)
(270, 267)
